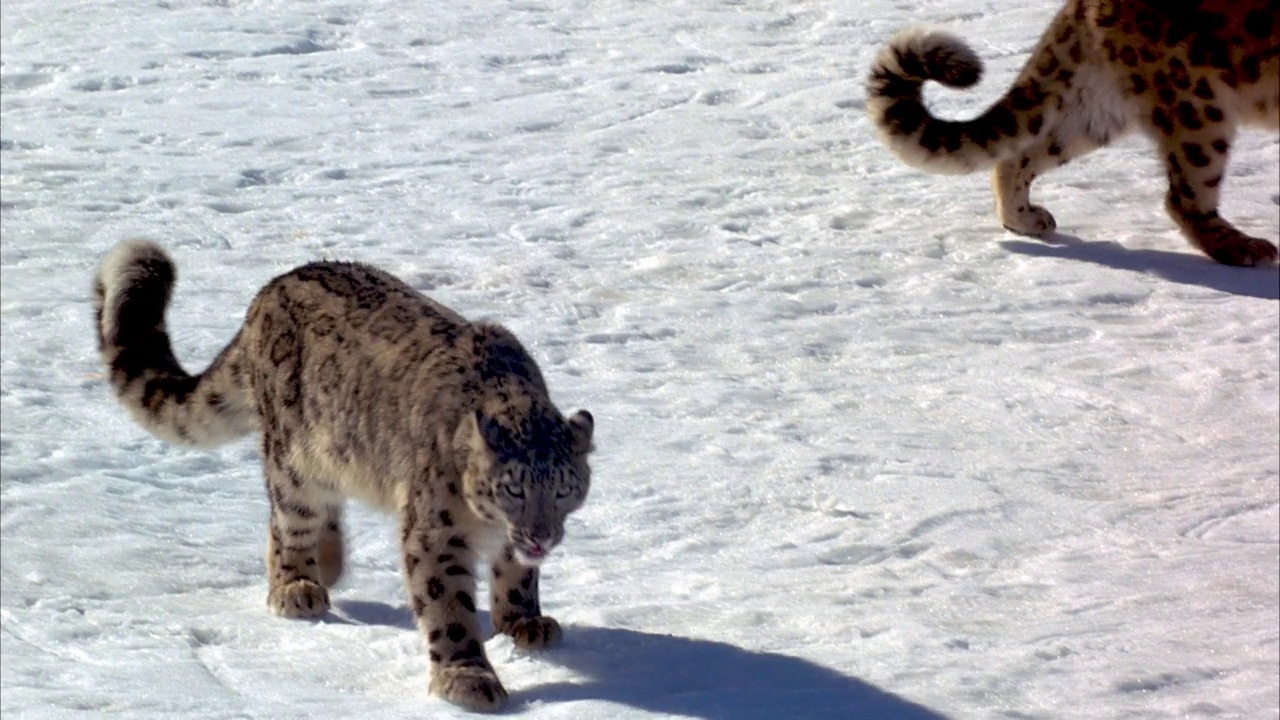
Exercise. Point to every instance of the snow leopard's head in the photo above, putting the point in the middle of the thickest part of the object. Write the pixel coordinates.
(526, 470)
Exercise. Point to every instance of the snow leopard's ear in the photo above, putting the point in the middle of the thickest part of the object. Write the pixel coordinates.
(481, 436)
(495, 437)
(583, 426)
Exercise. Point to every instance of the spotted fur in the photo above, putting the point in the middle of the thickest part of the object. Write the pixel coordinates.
(1187, 73)
(359, 386)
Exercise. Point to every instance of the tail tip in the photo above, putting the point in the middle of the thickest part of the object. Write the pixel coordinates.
(137, 270)
(132, 261)
(927, 53)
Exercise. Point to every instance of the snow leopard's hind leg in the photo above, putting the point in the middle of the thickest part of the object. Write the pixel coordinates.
(299, 516)
(332, 551)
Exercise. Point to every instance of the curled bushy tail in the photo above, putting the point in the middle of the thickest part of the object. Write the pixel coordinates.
(896, 106)
(131, 292)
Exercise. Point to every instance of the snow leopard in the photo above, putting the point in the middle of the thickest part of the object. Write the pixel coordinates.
(1189, 73)
(359, 386)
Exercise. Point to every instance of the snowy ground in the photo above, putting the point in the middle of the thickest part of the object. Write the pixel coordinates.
(862, 454)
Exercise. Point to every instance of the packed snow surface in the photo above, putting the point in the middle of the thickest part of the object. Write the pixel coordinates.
(861, 453)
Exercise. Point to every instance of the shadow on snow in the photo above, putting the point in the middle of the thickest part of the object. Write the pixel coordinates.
(1188, 268)
(684, 676)
(365, 612)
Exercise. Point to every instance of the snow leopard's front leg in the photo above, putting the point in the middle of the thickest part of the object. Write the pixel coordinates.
(515, 607)
(439, 566)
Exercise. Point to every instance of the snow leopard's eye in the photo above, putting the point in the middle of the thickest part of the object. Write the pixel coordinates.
(513, 487)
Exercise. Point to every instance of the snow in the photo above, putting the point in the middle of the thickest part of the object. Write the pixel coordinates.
(861, 453)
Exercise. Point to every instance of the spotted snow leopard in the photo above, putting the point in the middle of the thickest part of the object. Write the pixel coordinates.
(358, 386)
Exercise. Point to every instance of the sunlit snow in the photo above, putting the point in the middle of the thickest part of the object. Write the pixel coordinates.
(861, 453)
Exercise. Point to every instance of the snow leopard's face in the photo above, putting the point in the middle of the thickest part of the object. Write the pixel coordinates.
(530, 478)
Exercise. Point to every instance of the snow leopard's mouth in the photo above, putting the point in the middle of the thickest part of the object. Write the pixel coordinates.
(531, 553)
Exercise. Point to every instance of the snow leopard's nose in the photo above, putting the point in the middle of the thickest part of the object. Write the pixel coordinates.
(540, 534)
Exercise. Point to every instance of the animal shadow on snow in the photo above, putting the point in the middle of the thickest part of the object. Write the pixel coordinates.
(364, 612)
(1186, 267)
(674, 675)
